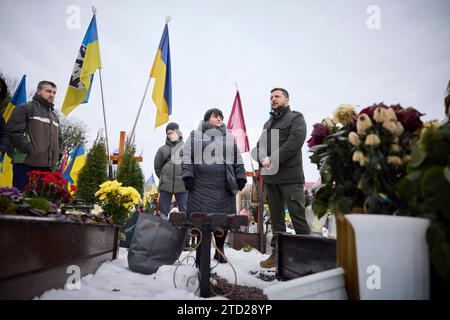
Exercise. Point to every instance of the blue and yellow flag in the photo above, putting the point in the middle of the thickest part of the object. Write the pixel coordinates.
(161, 71)
(19, 97)
(87, 62)
(76, 162)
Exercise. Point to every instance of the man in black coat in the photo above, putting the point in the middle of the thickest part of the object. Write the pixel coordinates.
(279, 152)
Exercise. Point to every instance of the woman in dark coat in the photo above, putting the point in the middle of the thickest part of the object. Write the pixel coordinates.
(204, 170)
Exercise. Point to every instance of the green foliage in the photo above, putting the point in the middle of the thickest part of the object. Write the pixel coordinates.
(425, 192)
(93, 173)
(130, 173)
(337, 171)
(7, 205)
(39, 203)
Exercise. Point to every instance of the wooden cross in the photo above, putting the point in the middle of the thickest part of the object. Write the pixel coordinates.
(119, 157)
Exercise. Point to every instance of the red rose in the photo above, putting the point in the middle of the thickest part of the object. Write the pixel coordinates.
(318, 135)
(410, 119)
(370, 110)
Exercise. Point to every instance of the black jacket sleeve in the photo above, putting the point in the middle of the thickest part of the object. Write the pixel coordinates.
(3, 136)
(158, 163)
(187, 165)
(16, 129)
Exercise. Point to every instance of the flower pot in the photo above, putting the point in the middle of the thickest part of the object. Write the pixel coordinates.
(37, 252)
(326, 285)
(346, 254)
(391, 256)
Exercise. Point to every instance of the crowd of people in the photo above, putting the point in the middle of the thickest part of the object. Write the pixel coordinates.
(203, 173)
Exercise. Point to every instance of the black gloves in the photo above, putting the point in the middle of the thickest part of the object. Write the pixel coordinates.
(241, 183)
(189, 183)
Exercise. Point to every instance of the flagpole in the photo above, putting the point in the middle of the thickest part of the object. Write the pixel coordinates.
(110, 173)
(131, 140)
(260, 194)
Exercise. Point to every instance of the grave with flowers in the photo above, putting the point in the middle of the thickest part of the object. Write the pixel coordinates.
(46, 245)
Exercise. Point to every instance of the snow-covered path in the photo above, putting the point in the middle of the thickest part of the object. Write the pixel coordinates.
(113, 280)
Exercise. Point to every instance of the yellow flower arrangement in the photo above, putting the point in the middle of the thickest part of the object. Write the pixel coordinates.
(116, 200)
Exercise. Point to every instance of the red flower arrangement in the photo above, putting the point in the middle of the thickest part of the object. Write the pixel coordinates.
(51, 186)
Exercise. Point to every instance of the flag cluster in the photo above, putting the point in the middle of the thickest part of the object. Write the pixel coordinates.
(19, 97)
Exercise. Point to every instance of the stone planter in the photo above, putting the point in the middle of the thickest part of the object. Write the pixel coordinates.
(36, 253)
(326, 285)
(384, 257)
(301, 255)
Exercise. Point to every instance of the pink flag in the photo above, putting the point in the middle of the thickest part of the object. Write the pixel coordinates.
(236, 124)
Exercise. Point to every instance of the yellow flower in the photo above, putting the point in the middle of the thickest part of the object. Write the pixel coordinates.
(372, 140)
(344, 114)
(390, 114)
(390, 126)
(399, 129)
(394, 160)
(407, 158)
(395, 147)
(358, 156)
(328, 123)
(354, 138)
(363, 124)
(380, 115)
(432, 124)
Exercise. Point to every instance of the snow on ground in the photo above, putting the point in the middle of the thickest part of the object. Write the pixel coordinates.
(113, 280)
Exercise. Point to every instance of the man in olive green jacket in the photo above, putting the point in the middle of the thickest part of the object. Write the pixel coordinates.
(168, 170)
(279, 152)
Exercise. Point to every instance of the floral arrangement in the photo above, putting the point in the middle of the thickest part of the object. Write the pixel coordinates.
(383, 142)
(116, 200)
(363, 157)
(51, 186)
(12, 201)
(332, 153)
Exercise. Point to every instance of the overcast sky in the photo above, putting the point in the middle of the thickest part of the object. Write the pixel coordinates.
(324, 53)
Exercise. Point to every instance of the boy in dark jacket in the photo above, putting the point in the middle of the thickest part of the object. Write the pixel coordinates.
(169, 172)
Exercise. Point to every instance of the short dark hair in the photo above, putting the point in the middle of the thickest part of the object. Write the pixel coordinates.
(284, 91)
(213, 111)
(3, 90)
(45, 83)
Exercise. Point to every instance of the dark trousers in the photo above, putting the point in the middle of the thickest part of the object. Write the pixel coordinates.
(20, 178)
(220, 242)
(165, 198)
(292, 196)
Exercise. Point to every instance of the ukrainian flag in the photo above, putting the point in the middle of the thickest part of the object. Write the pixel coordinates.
(76, 162)
(161, 71)
(19, 97)
(150, 185)
(87, 62)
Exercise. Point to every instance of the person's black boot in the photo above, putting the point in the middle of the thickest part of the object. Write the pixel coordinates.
(219, 257)
(220, 241)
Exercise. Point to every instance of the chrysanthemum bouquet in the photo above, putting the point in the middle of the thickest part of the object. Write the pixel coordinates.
(116, 200)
